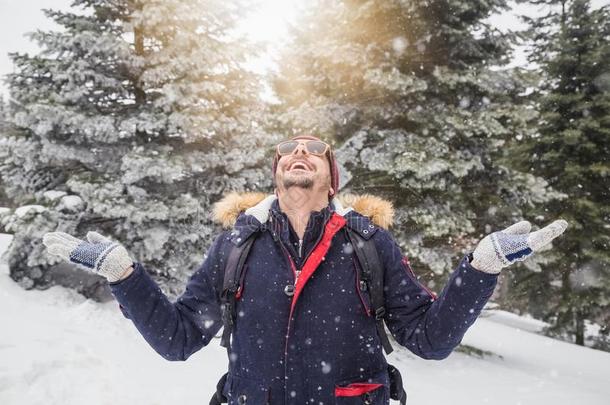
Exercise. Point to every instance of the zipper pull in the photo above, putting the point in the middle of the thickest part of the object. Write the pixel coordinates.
(290, 288)
(300, 248)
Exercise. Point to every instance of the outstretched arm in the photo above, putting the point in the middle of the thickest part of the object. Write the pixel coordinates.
(175, 330)
(432, 326)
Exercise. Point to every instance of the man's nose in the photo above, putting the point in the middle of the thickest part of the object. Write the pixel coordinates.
(300, 149)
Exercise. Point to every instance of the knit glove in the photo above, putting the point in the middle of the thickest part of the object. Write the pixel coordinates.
(515, 243)
(98, 253)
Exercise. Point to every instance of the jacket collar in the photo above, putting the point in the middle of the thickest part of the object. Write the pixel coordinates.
(315, 216)
(250, 212)
(281, 227)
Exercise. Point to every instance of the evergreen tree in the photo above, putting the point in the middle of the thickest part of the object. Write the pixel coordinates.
(3, 115)
(135, 118)
(4, 127)
(571, 47)
(407, 89)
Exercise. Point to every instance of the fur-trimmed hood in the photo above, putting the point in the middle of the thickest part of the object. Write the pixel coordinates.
(226, 211)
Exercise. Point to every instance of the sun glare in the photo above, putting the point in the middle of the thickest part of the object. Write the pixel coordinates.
(269, 19)
(268, 24)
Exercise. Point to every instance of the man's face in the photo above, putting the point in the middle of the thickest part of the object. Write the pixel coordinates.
(302, 170)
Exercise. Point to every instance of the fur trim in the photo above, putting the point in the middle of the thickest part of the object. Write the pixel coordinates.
(380, 211)
(226, 211)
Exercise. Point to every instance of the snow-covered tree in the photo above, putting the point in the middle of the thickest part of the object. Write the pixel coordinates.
(4, 128)
(3, 115)
(135, 118)
(571, 148)
(408, 92)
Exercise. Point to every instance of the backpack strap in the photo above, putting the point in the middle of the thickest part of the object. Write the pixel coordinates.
(372, 274)
(231, 284)
(397, 390)
(218, 398)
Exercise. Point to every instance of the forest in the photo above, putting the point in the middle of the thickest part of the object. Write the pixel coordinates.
(136, 117)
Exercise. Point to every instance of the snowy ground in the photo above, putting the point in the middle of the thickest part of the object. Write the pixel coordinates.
(58, 348)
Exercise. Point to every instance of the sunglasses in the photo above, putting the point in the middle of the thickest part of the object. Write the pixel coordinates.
(313, 147)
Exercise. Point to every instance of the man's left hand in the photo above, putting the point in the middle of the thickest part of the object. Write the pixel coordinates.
(515, 243)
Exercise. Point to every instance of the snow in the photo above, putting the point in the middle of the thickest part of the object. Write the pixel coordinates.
(25, 209)
(527, 324)
(71, 203)
(52, 195)
(57, 347)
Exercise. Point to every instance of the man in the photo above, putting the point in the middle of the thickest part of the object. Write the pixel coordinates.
(304, 332)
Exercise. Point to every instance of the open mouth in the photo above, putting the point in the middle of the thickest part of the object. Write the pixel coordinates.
(299, 165)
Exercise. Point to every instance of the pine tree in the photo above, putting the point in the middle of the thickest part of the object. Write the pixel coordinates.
(3, 115)
(412, 94)
(135, 119)
(571, 147)
(4, 128)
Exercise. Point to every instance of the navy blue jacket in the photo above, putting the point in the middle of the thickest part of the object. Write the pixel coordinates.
(322, 347)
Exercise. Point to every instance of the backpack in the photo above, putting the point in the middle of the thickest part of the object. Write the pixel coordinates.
(371, 275)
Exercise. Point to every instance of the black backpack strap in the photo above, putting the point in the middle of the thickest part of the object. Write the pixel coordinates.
(218, 398)
(232, 276)
(397, 390)
(372, 274)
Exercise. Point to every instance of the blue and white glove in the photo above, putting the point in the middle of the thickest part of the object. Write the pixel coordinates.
(98, 253)
(515, 243)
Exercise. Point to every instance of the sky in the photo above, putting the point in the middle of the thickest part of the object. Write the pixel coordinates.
(268, 23)
(16, 18)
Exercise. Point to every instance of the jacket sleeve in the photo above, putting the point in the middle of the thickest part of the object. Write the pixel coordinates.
(428, 325)
(175, 330)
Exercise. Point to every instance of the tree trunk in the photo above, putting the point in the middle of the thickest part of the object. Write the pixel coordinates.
(138, 38)
(580, 329)
(140, 94)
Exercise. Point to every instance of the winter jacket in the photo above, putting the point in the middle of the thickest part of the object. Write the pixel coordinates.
(319, 345)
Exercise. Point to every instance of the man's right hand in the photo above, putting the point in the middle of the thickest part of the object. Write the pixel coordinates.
(98, 253)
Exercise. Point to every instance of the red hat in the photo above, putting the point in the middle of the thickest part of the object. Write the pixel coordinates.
(334, 169)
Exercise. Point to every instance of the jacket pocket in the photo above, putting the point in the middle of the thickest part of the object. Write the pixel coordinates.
(245, 391)
(372, 391)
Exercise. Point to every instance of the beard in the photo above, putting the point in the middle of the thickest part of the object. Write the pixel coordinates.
(299, 181)
(304, 182)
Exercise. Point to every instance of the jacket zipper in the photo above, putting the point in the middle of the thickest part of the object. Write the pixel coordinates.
(297, 272)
